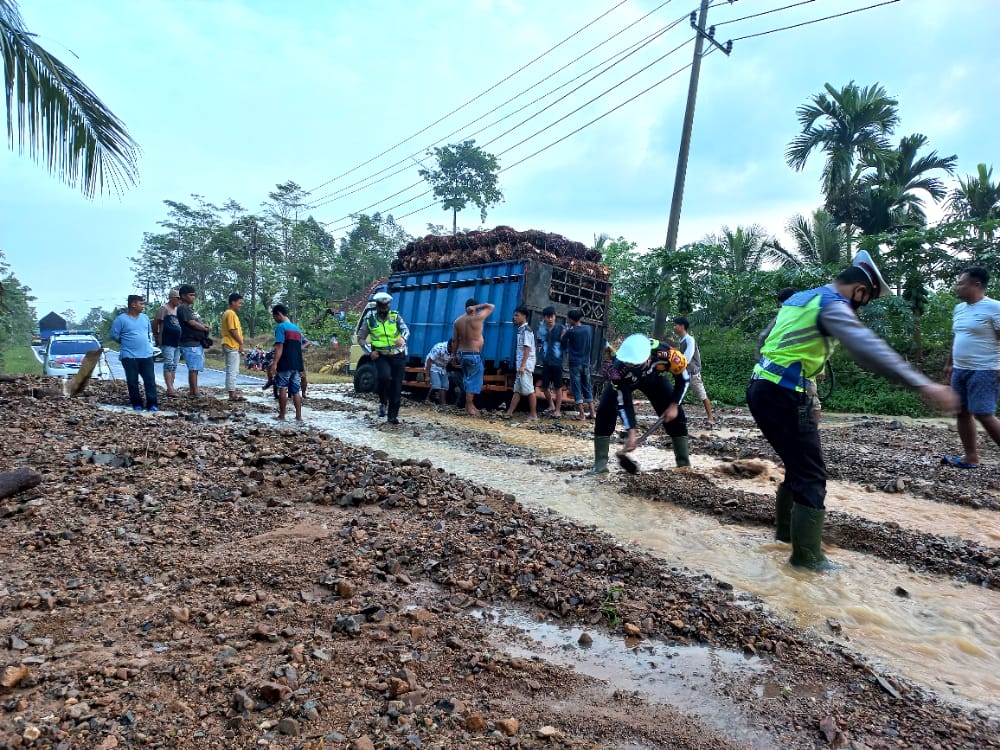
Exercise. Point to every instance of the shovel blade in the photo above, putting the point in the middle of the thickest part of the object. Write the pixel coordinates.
(627, 463)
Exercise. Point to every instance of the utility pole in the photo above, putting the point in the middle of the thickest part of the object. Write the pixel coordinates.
(660, 319)
(251, 249)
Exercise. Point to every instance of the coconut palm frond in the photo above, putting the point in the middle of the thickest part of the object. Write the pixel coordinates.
(57, 119)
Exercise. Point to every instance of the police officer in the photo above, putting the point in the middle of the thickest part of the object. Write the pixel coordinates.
(383, 335)
(795, 349)
(659, 371)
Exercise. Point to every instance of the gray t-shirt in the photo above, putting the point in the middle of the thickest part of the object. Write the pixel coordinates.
(689, 348)
(976, 328)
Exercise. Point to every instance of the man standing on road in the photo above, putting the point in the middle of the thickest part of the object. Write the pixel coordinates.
(232, 343)
(524, 380)
(467, 338)
(804, 334)
(550, 342)
(167, 331)
(383, 334)
(287, 362)
(193, 335)
(974, 363)
(436, 370)
(689, 348)
(133, 331)
(578, 339)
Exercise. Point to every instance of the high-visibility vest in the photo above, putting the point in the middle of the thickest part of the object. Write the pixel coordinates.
(383, 333)
(796, 349)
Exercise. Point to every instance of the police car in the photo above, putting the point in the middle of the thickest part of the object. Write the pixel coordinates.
(66, 350)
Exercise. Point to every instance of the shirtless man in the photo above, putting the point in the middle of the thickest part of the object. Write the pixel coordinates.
(467, 335)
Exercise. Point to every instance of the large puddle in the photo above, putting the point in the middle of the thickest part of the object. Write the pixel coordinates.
(944, 635)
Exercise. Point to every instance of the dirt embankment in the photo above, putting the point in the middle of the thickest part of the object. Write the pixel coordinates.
(179, 582)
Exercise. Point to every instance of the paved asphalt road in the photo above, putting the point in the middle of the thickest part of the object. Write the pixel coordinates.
(209, 378)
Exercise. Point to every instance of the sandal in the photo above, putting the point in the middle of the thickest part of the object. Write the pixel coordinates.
(957, 462)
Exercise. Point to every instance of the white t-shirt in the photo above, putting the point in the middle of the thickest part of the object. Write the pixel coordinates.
(525, 338)
(976, 328)
(439, 357)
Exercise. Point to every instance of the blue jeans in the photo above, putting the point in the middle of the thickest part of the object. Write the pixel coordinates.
(579, 382)
(133, 369)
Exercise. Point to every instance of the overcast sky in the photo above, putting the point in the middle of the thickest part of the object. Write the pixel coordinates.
(229, 98)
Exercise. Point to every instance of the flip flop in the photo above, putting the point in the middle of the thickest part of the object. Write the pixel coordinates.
(957, 462)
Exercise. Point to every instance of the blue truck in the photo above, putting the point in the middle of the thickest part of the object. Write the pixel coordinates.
(431, 300)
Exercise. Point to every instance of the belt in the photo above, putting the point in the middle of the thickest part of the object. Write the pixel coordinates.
(462, 354)
(389, 350)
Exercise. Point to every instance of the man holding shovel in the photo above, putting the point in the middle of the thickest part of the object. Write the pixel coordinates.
(659, 371)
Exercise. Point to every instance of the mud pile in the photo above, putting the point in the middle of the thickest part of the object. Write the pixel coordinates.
(198, 580)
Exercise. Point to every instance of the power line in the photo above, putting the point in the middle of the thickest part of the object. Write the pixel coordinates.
(343, 192)
(622, 55)
(536, 133)
(475, 98)
(764, 13)
(815, 20)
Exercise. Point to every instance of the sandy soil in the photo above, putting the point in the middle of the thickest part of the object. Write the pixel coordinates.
(203, 581)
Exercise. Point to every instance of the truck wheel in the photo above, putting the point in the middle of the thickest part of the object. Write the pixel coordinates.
(365, 379)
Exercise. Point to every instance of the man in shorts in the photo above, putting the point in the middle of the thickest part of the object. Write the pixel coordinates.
(974, 363)
(524, 380)
(167, 332)
(550, 345)
(436, 370)
(287, 362)
(193, 336)
(467, 339)
(689, 348)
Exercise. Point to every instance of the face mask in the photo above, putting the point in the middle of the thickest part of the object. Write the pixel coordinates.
(866, 297)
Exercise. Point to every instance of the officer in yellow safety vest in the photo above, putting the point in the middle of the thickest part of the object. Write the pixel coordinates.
(383, 334)
(796, 347)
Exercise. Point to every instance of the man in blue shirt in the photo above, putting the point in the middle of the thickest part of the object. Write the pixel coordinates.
(577, 340)
(287, 362)
(134, 332)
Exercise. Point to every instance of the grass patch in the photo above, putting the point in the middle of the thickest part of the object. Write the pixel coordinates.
(19, 359)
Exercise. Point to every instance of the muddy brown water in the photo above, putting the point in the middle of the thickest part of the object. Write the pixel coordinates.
(945, 636)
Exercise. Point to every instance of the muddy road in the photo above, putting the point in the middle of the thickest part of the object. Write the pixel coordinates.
(210, 578)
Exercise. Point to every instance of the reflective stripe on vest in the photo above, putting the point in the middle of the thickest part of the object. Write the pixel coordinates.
(796, 350)
(383, 334)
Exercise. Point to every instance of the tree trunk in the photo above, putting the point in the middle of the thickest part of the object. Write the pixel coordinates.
(19, 480)
(454, 222)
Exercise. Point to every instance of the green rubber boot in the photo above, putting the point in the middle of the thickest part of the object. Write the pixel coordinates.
(783, 514)
(682, 451)
(602, 444)
(807, 536)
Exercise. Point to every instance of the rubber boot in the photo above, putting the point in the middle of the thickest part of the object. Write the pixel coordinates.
(807, 536)
(682, 451)
(783, 514)
(602, 445)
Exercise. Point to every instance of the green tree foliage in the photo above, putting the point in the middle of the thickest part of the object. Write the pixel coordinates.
(465, 174)
(57, 119)
(818, 241)
(976, 197)
(17, 316)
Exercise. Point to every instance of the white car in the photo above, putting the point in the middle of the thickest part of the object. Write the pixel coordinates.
(65, 352)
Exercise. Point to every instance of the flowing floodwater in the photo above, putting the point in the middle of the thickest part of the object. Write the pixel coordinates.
(945, 635)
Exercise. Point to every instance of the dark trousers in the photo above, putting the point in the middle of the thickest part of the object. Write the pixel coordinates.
(657, 389)
(133, 369)
(390, 369)
(788, 422)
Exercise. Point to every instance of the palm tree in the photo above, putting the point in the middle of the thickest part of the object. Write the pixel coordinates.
(818, 240)
(897, 184)
(747, 249)
(849, 125)
(58, 119)
(976, 197)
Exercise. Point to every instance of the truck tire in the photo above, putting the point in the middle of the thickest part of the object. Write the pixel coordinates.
(365, 378)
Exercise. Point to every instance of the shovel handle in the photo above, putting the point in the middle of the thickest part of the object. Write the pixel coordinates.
(653, 428)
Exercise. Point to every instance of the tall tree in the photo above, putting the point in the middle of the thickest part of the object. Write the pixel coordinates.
(818, 241)
(849, 126)
(976, 197)
(465, 174)
(59, 120)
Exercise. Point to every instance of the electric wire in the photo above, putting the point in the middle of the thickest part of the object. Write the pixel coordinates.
(337, 195)
(763, 13)
(475, 98)
(536, 133)
(627, 51)
(600, 117)
(815, 20)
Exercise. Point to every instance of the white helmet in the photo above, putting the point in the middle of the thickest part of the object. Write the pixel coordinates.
(382, 298)
(635, 350)
(864, 261)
